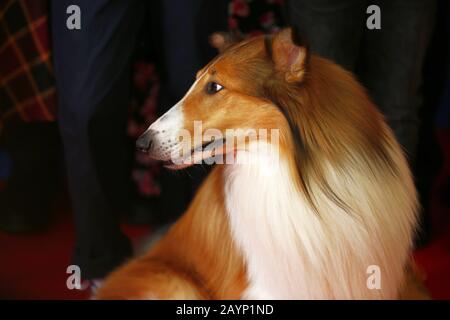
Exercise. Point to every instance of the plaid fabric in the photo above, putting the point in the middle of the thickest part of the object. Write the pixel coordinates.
(27, 87)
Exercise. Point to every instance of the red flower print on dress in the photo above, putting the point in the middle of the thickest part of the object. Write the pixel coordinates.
(239, 8)
(267, 19)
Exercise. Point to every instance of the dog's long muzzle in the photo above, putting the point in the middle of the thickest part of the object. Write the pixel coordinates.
(161, 138)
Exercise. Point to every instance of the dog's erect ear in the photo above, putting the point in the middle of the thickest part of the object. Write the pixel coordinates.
(223, 40)
(289, 55)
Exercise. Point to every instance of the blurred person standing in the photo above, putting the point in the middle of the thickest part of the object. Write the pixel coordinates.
(93, 70)
(387, 60)
(29, 140)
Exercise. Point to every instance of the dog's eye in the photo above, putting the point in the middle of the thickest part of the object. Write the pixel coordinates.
(212, 87)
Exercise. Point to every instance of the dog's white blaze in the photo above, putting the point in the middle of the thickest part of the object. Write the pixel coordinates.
(292, 253)
(165, 131)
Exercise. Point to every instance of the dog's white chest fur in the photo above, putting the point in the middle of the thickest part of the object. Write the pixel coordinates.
(261, 202)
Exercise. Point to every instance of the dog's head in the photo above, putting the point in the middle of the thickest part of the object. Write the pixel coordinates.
(272, 82)
(229, 94)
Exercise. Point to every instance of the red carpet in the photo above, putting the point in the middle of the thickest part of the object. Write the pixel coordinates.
(434, 261)
(34, 266)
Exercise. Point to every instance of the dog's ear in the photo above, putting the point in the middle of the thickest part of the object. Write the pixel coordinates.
(290, 55)
(223, 40)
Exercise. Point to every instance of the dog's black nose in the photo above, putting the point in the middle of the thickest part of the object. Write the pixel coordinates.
(144, 142)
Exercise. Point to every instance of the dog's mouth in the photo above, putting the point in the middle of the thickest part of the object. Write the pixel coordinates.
(198, 155)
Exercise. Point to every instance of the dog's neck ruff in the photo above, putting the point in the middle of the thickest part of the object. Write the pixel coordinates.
(290, 252)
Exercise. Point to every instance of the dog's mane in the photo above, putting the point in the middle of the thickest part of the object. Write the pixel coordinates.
(332, 121)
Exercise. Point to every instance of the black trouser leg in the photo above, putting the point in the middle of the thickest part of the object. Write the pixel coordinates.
(92, 68)
(393, 61)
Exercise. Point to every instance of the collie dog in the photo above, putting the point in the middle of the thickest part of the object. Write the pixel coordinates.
(332, 208)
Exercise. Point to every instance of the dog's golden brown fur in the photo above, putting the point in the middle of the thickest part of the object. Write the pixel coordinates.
(343, 199)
